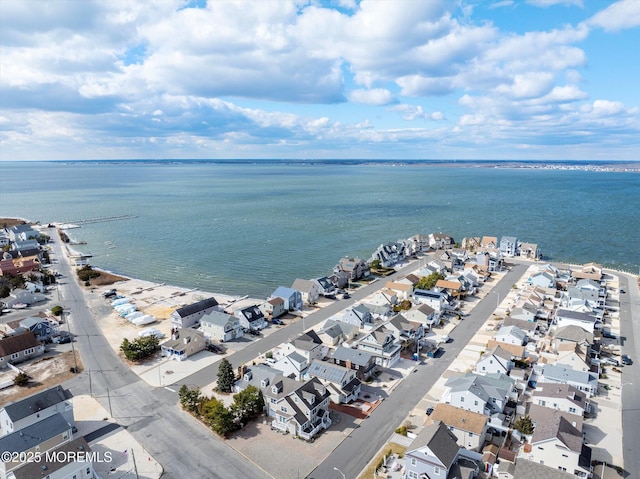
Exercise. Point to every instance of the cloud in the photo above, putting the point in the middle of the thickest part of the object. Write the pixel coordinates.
(549, 3)
(618, 16)
(375, 96)
(416, 112)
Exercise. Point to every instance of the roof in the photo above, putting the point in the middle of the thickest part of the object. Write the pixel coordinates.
(252, 313)
(551, 423)
(574, 333)
(459, 418)
(443, 283)
(514, 331)
(38, 402)
(564, 374)
(196, 307)
(276, 300)
(67, 453)
(355, 356)
(328, 371)
(515, 349)
(284, 292)
(440, 440)
(17, 343)
(31, 436)
(307, 341)
(568, 314)
(525, 469)
(217, 318)
(399, 286)
(520, 323)
(552, 390)
(303, 285)
(492, 385)
(259, 373)
(500, 352)
(179, 344)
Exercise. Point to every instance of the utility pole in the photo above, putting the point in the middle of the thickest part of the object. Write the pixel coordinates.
(73, 349)
(135, 467)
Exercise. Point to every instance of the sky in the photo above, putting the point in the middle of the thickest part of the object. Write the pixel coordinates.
(310, 79)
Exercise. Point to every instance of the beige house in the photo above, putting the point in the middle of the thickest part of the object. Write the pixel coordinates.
(469, 427)
(19, 347)
(183, 343)
(401, 290)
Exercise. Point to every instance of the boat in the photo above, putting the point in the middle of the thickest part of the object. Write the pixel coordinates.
(133, 315)
(146, 319)
(151, 332)
(19, 306)
(119, 301)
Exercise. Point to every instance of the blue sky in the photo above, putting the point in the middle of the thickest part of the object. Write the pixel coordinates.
(429, 79)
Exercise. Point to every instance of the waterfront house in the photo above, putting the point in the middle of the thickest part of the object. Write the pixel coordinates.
(511, 335)
(485, 394)
(190, 315)
(562, 397)
(273, 308)
(40, 437)
(362, 362)
(354, 268)
(530, 251)
(582, 380)
(441, 241)
(495, 360)
(557, 443)
(19, 347)
(184, 343)
(22, 232)
(325, 286)
(358, 315)
(292, 298)
(389, 254)
(293, 365)
(432, 453)
(509, 246)
(221, 326)
(309, 289)
(588, 271)
(251, 317)
(417, 244)
(341, 382)
(301, 410)
(25, 412)
(382, 344)
(469, 427)
(423, 314)
(489, 242)
(566, 317)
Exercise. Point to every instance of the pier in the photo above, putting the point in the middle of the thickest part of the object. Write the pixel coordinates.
(102, 219)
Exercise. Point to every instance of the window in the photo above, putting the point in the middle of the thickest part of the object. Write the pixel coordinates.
(436, 470)
(273, 401)
(414, 461)
(475, 403)
(461, 399)
(88, 471)
(564, 455)
(572, 409)
(542, 403)
(283, 409)
(470, 434)
(541, 448)
(413, 475)
(15, 355)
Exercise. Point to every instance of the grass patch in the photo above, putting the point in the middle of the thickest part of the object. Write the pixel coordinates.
(371, 468)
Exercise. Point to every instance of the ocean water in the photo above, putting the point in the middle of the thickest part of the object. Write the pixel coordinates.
(246, 228)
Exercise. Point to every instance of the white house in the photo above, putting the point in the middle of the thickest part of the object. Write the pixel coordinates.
(221, 326)
(190, 315)
(293, 365)
(469, 427)
(310, 290)
(562, 397)
(341, 382)
(382, 344)
(423, 314)
(30, 410)
(495, 360)
(511, 335)
(486, 394)
(566, 317)
(583, 381)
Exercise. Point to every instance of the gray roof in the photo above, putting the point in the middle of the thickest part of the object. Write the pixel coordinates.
(440, 440)
(62, 455)
(35, 434)
(333, 330)
(257, 374)
(550, 423)
(307, 341)
(552, 390)
(328, 371)
(514, 331)
(574, 333)
(196, 307)
(217, 318)
(567, 313)
(355, 356)
(525, 469)
(565, 374)
(520, 323)
(38, 402)
(492, 385)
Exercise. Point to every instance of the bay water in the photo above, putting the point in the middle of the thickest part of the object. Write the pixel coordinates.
(248, 227)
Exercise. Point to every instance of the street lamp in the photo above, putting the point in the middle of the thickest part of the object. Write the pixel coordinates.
(341, 473)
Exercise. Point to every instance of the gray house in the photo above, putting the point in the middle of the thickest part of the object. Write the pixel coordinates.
(190, 315)
(30, 410)
(221, 326)
(509, 246)
(362, 362)
(292, 297)
(432, 453)
(359, 316)
(251, 318)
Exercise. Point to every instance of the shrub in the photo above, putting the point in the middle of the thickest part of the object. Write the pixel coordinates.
(86, 273)
(524, 425)
(57, 310)
(402, 430)
(21, 379)
(139, 348)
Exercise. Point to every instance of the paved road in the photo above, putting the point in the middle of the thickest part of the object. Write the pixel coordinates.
(355, 452)
(630, 336)
(152, 416)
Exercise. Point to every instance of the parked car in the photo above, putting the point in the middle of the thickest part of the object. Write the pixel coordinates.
(277, 321)
(611, 361)
(608, 335)
(622, 291)
(214, 348)
(429, 411)
(626, 360)
(346, 296)
(109, 294)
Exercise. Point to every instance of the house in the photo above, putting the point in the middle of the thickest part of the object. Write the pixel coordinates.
(69, 460)
(362, 362)
(342, 383)
(423, 314)
(485, 394)
(530, 251)
(358, 315)
(251, 317)
(309, 345)
(566, 317)
(468, 427)
(389, 254)
(401, 327)
(309, 289)
(23, 296)
(542, 279)
(335, 332)
(496, 360)
(562, 397)
(489, 259)
(382, 344)
(273, 308)
(258, 375)
(18, 266)
(573, 356)
(441, 241)
(571, 334)
(557, 443)
(582, 380)
(301, 410)
(588, 271)
(32, 409)
(526, 312)
(436, 300)
(529, 327)
(221, 326)
(190, 315)
(432, 453)
(184, 343)
(42, 436)
(293, 365)
(417, 244)
(525, 469)
(292, 298)
(325, 286)
(511, 335)
(509, 246)
(19, 347)
(384, 297)
(489, 242)
(454, 288)
(41, 325)
(402, 291)
(22, 232)
(354, 268)
(517, 352)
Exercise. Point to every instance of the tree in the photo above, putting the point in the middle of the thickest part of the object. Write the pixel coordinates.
(21, 379)
(86, 273)
(524, 424)
(218, 417)
(57, 310)
(428, 282)
(247, 404)
(375, 264)
(190, 399)
(139, 348)
(226, 378)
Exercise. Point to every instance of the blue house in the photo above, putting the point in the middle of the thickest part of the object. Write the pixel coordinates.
(292, 297)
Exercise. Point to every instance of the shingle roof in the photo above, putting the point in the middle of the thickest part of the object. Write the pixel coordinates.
(440, 440)
(38, 402)
(574, 333)
(34, 434)
(355, 356)
(17, 343)
(459, 418)
(525, 469)
(550, 423)
(561, 373)
(60, 457)
(196, 307)
(217, 318)
(552, 390)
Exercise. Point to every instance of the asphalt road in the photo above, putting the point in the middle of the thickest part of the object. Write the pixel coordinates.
(183, 446)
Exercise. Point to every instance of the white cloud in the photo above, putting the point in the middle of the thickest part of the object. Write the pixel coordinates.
(415, 112)
(618, 16)
(548, 3)
(375, 96)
